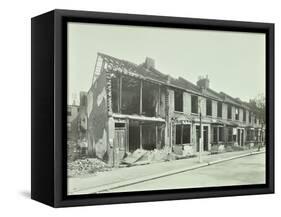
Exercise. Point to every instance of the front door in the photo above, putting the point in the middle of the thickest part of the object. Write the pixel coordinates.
(119, 145)
(242, 137)
(238, 137)
(197, 138)
(205, 138)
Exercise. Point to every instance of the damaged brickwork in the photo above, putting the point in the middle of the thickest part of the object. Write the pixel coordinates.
(134, 107)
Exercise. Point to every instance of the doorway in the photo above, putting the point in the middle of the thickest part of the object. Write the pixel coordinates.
(205, 138)
(134, 136)
(119, 142)
(238, 136)
(197, 138)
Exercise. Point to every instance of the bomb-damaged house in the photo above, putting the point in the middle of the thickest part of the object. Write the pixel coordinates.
(132, 107)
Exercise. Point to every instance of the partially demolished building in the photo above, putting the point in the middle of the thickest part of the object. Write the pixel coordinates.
(132, 107)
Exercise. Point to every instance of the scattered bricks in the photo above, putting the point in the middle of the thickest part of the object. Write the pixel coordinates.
(86, 166)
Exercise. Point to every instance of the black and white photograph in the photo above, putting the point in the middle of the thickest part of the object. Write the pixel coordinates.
(155, 108)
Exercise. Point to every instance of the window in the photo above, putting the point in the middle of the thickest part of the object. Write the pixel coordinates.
(221, 134)
(218, 134)
(250, 135)
(68, 113)
(236, 113)
(230, 134)
(194, 104)
(244, 115)
(250, 118)
(178, 101)
(255, 119)
(118, 125)
(215, 135)
(209, 107)
(178, 134)
(186, 134)
(229, 112)
(219, 109)
(182, 134)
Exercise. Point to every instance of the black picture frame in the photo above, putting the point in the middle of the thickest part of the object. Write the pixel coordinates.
(49, 75)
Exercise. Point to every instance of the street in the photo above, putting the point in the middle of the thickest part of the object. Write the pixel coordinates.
(241, 171)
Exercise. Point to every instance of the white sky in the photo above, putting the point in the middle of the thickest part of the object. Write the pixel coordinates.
(233, 61)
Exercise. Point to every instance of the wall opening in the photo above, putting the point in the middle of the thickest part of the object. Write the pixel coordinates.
(130, 102)
(134, 136)
(178, 101)
(150, 99)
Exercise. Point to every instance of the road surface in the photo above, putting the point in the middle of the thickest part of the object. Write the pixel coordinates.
(241, 171)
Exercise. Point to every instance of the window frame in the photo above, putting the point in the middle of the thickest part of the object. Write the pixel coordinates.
(192, 103)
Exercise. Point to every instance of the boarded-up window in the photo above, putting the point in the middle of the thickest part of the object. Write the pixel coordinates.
(194, 104)
(178, 101)
(209, 107)
(219, 109)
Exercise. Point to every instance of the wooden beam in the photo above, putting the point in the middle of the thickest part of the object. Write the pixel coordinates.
(156, 136)
(141, 85)
(140, 136)
(181, 133)
(120, 95)
(159, 100)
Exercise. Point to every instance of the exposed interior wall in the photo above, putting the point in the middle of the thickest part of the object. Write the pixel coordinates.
(98, 116)
(163, 107)
(171, 102)
(150, 99)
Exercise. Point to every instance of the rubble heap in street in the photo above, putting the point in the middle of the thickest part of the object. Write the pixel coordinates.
(86, 166)
(140, 156)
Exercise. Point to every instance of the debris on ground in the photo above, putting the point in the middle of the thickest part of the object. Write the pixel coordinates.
(86, 166)
(216, 149)
(134, 157)
(142, 157)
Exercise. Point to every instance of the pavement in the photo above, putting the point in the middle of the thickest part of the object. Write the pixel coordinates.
(121, 177)
(240, 171)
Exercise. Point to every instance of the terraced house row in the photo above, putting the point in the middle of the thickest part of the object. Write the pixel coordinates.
(134, 106)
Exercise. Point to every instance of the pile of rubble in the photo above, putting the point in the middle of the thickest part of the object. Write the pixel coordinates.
(141, 157)
(86, 166)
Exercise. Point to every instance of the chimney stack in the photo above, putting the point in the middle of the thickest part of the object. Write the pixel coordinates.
(149, 63)
(203, 82)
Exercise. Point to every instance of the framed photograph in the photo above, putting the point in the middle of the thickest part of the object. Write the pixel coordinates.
(133, 108)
